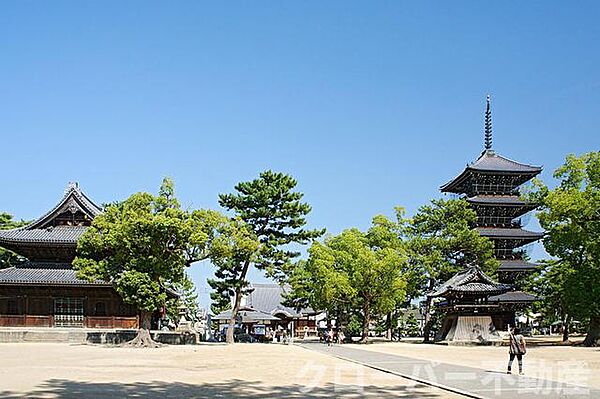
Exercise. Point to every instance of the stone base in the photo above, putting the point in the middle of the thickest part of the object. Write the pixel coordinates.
(83, 336)
(468, 329)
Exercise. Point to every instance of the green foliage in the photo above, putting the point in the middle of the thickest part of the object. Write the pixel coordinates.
(570, 214)
(268, 216)
(442, 240)
(144, 244)
(9, 258)
(187, 297)
(409, 326)
(276, 215)
(355, 271)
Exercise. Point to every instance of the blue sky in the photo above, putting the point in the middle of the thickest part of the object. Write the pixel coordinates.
(368, 104)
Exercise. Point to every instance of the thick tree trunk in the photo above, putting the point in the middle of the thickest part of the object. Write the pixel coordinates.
(366, 322)
(143, 338)
(566, 326)
(427, 323)
(236, 305)
(593, 334)
(388, 325)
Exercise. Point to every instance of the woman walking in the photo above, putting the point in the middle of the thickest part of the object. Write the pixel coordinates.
(516, 349)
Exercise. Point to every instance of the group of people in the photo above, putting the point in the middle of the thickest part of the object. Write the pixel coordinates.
(334, 336)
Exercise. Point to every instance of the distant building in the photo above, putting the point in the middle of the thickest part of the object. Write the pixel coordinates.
(44, 290)
(263, 306)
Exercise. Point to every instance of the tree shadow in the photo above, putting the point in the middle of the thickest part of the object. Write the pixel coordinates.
(235, 388)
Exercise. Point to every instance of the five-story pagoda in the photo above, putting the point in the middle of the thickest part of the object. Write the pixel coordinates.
(491, 185)
(475, 306)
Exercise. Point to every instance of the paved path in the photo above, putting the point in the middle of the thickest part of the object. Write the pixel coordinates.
(469, 381)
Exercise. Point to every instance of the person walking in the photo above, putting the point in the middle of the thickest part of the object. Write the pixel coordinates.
(341, 337)
(517, 348)
(330, 337)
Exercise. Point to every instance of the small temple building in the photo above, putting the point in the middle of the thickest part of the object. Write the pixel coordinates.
(491, 186)
(43, 290)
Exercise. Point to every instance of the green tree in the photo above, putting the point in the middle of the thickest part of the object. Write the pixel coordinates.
(355, 271)
(570, 214)
(143, 245)
(187, 297)
(269, 216)
(441, 242)
(9, 258)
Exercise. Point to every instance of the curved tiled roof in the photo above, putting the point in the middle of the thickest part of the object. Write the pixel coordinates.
(507, 232)
(510, 200)
(41, 232)
(268, 298)
(470, 280)
(74, 199)
(516, 265)
(513, 296)
(46, 276)
(59, 235)
(490, 162)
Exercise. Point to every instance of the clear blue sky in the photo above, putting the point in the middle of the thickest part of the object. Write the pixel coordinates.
(368, 104)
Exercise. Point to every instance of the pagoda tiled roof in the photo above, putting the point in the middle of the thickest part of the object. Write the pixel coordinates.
(509, 233)
(471, 280)
(491, 162)
(513, 297)
(46, 274)
(510, 200)
(516, 265)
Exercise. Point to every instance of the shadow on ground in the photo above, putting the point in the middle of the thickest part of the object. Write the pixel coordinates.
(60, 388)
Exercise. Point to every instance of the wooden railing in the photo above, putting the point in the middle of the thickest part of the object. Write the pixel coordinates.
(89, 321)
(111, 322)
(26, 321)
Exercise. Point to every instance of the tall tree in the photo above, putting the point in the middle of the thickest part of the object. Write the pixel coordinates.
(570, 214)
(274, 217)
(143, 245)
(9, 258)
(441, 242)
(357, 272)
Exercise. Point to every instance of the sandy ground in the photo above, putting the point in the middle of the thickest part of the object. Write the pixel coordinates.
(575, 365)
(43, 370)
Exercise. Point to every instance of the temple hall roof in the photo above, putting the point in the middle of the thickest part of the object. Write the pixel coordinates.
(62, 226)
(46, 274)
(268, 298)
(471, 280)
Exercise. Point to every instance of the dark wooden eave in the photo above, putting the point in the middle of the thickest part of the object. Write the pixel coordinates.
(492, 164)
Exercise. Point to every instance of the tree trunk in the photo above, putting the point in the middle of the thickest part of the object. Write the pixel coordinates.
(566, 325)
(143, 338)
(236, 306)
(591, 339)
(388, 325)
(427, 323)
(366, 322)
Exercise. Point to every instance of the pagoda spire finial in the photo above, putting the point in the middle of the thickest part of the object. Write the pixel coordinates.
(488, 125)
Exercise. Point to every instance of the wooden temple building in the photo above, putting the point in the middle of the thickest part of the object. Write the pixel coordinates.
(491, 186)
(43, 290)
